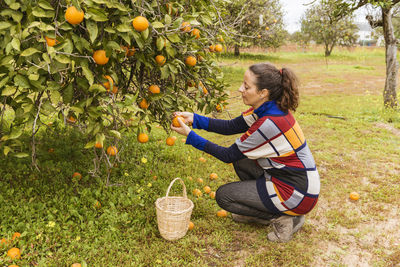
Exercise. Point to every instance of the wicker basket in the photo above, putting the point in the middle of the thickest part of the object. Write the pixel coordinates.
(173, 214)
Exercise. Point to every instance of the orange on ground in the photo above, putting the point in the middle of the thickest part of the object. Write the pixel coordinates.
(51, 150)
(97, 204)
(76, 265)
(183, 140)
(16, 235)
(73, 15)
(202, 159)
(110, 82)
(354, 196)
(77, 175)
(112, 150)
(143, 138)
(200, 181)
(222, 213)
(190, 61)
(140, 23)
(3, 241)
(170, 141)
(213, 176)
(196, 33)
(14, 253)
(98, 145)
(197, 193)
(13, 265)
(154, 89)
(189, 178)
(175, 121)
(212, 195)
(191, 225)
(218, 48)
(144, 104)
(160, 59)
(207, 189)
(185, 26)
(50, 41)
(100, 57)
(173, 137)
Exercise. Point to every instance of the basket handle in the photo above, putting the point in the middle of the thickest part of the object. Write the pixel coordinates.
(183, 184)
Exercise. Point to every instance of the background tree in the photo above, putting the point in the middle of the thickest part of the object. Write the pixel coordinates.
(246, 22)
(384, 19)
(324, 28)
(104, 67)
(300, 38)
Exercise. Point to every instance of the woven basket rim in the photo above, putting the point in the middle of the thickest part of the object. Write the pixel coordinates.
(175, 212)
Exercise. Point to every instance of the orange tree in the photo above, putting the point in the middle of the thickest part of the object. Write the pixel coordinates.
(104, 67)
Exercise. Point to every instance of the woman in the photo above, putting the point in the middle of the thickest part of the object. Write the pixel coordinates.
(279, 180)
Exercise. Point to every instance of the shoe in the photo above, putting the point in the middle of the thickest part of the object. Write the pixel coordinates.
(282, 229)
(298, 222)
(249, 219)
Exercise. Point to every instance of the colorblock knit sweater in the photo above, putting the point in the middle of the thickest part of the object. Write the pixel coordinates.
(273, 138)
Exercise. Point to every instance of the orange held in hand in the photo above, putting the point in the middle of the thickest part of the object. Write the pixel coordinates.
(222, 213)
(73, 15)
(112, 150)
(140, 23)
(175, 121)
(143, 138)
(354, 196)
(100, 57)
(14, 253)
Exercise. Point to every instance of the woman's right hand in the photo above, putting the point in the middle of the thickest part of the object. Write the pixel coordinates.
(188, 116)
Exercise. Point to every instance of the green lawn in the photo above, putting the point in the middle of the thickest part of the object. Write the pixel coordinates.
(355, 142)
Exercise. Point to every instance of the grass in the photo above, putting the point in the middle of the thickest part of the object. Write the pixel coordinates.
(351, 136)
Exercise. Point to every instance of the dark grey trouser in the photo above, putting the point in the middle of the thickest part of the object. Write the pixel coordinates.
(242, 197)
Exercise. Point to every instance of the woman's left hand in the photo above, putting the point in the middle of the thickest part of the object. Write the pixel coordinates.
(183, 130)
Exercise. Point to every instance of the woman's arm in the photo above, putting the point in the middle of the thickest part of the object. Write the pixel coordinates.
(225, 127)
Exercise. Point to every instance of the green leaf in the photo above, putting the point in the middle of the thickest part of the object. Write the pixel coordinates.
(33, 77)
(92, 29)
(9, 90)
(157, 25)
(15, 6)
(16, 44)
(123, 28)
(6, 150)
(21, 155)
(4, 81)
(167, 19)
(171, 51)
(115, 134)
(90, 144)
(21, 81)
(145, 34)
(88, 74)
(68, 93)
(40, 13)
(97, 88)
(160, 43)
(113, 45)
(62, 59)
(174, 38)
(15, 133)
(45, 5)
(97, 15)
(29, 52)
(4, 25)
(77, 110)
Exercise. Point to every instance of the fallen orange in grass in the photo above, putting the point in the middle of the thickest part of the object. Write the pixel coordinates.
(170, 141)
(354, 196)
(212, 195)
(200, 181)
(213, 176)
(191, 225)
(16, 235)
(3, 241)
(14, 253)
(77, 175)
(222, 213)
(76, 265)
(207, 189)
(197, 192)
(202, 159)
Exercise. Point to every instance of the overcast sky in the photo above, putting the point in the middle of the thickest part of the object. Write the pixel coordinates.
(294, 9)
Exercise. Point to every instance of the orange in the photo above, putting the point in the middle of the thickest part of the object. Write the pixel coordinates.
(248, 22)
(191, 225)
(51, 150)
(221, 39)
(14, 253)
(212, 195)
(112, 150)
(218, 48)
(160, 59)
(100, 57)
(267, 28)
(13, 265)
(190, 61)
(189, 178)
(77, 175)
(173, 137)
(175, 121)
(129, 51)
(76, 265)
(97, 204)
(110, 82)
(196, 33)
(213, 176)
(71, 119)
(98, 145)
(73, 15)
(207, 189)
(115, 89)
(202, 159)
(218, 108)
(154, 89)
(222, 213)
(200, 181)
(170, 141)
(205, 91)
(50, 41)
(354, 196)
(143, 138)
(140, 23)
(197, 193)
(183, 140)
(144, 104)
(3, 241)
(16, 235)
(185, 26)
(259, 36)
(211, 48)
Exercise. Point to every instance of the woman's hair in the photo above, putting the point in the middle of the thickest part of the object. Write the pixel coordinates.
(282, 85)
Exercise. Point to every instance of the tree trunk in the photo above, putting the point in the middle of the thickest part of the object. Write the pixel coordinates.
(237, 52)
(327, 51)
(392, 66)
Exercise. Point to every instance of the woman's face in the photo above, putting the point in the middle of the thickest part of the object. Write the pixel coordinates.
(250, 94)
